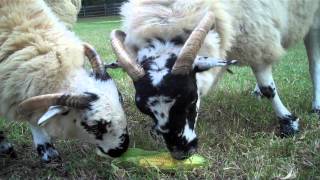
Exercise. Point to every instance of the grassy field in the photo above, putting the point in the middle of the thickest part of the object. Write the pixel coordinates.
(236, 132)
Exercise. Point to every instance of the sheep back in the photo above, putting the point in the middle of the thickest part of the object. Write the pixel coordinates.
(66, 10)
(37, 53)
(146, 19)
(264, 29)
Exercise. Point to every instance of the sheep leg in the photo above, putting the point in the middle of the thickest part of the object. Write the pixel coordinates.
(312, 44)
(288, 122)
(44, 147)
(208, 79)
(257, 93)
(6, 148)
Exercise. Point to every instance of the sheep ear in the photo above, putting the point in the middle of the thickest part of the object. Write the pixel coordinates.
(51, 112)
(205, 63)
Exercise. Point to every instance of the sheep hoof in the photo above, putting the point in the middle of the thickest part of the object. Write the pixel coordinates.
(316, 111)
(289, 126)
(48, 153)
(6, 149)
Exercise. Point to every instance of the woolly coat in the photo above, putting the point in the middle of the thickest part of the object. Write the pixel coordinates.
(254, 32)
(37, 53)
(264, 29)
(66, 10)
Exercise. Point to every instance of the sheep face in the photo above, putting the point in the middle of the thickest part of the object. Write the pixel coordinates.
(164, 74)
(171, 100)
(98, 118)
(105, 125)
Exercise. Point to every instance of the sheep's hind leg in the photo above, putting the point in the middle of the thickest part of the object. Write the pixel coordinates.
(6, 148)
(289, 124)
(312, 44)
(44, 147)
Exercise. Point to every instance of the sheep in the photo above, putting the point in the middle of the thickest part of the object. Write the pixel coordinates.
(168, 84)
(66, 10)
(168, 48)
(264, 30)
(44, 82)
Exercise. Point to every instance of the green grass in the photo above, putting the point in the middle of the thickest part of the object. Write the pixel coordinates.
(237, 132)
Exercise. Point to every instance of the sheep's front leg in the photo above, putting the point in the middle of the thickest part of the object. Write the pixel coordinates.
(312, 44)
(289, 124)
(6, 148)
(43, 144)
(257, 93)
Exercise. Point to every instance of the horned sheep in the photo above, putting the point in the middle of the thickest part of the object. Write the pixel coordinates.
(169, 47)
(44, 82)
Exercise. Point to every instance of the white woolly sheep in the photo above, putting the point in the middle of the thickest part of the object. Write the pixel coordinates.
(43, 78)
(263, 30)
(169, 72)
(66, 10)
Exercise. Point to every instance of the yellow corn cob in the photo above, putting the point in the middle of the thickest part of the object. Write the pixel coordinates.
(165, 161)
(161, 160)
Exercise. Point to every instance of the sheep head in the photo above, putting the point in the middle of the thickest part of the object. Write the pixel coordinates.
(93, 115)
(164, 77)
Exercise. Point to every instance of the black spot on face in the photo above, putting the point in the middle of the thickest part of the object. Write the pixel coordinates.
(155, 102)
(99, 129)
(160, 40)
(156, 112)
(187, 31)
(146, 60)
(74, 121)
(172, 59)
(178, 40)
(135, 48)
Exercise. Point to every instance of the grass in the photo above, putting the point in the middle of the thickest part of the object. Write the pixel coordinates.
(237, 132)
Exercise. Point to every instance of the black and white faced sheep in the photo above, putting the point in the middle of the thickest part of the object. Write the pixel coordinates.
(157, 40)
(44, 82)
(166, 73)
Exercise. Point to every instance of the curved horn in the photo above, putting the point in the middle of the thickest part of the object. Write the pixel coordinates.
(79, 101)
(134, 70)
(190, 49)
(94, 58)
